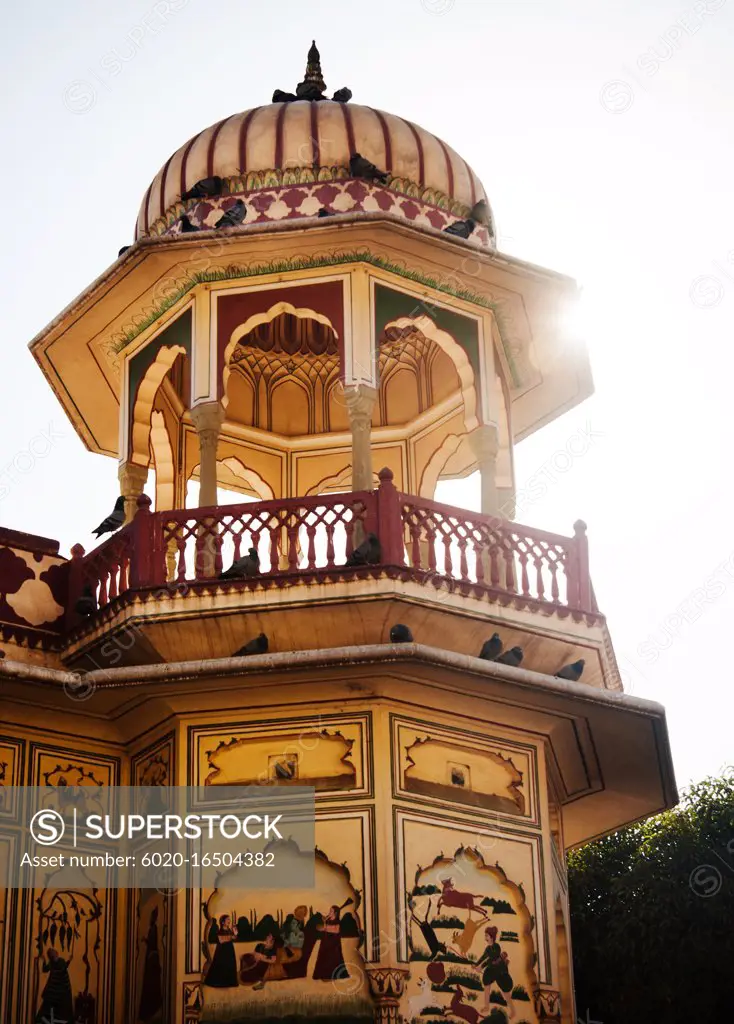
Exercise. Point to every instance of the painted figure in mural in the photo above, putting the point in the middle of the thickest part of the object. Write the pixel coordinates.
(56, 998)
(265, 964)
(294, 934)
(330, 960)
(458, 1008)
(451, 897)
(495, 967)
(222, 971)
(151, 995)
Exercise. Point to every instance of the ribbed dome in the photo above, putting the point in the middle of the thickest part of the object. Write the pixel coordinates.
(303, 142)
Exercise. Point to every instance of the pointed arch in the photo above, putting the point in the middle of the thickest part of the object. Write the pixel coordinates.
(456, 354)
(144, 399)
(162, 454)
(436, 464)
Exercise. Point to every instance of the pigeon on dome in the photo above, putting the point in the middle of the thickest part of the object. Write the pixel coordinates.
(313, 86)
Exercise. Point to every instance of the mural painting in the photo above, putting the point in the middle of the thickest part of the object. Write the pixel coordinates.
(277, 954)
(470, 944)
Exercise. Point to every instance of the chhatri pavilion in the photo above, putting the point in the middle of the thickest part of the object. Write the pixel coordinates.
(314, 314)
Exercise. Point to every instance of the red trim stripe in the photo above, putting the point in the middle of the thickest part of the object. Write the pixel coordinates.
(279, 135)
(212, 145)
(146, 218)
(243, 138)
(315, 148)
(164, 176)
(184, 158)
(349, 127)
(449, 166)
(419, 146)
(386, 137)
(472, 184)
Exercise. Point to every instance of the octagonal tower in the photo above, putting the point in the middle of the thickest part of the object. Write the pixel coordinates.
(295, 322)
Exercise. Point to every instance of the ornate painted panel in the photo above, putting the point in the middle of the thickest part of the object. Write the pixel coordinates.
(71, 769)
(328, 753)
(470, 900)
(452, 766)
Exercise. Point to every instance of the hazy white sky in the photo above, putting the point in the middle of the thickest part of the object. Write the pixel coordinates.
(602, 132)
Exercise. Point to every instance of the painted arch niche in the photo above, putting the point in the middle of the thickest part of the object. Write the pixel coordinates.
(282, 373)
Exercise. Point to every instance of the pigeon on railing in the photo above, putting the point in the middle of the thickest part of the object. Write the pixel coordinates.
(87, 603)
(186, 226)
(257, 646)
(480, 213)
(342, 95)
(243, 567)
(369, 552)
(122, 251)
(359, 167)
(572, 672)
(512, 657)
(203, 189)
(400, 634)
(113, 521)
(492, 648)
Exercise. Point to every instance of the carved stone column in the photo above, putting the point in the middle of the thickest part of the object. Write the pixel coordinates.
(132, 481)
(387, 985)
(360, 405)
(208, 419)
(484, 443)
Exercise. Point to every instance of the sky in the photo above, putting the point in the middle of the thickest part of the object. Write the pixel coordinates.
(602, 134)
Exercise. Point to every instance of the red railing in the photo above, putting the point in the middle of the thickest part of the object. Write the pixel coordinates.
(424, 539)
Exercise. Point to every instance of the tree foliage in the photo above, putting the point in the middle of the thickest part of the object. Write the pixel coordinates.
(652, 908)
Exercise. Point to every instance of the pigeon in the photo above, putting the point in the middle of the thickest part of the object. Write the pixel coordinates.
(492, 648)
(400, 634)
(243, 567)
(572, 672)
(512, 657)
(234, 216)
(323, 212)
(361, 168)
(186, 225)
(461, 228)
(342, 95)
(87, 603)
(285, 769)
(257, 646)
(369, 552)
(481, 214)
(113, 521)
(283, 97)
(123, 251)
(204, 188)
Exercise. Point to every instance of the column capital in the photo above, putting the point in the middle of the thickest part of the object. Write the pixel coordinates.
(208, 416)
(360, 400)
(387, 985)
(485, 442)
(132, 479)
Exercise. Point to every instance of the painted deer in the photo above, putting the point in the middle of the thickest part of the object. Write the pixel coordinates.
(462, 941)
(451, 897)
(458, 1008)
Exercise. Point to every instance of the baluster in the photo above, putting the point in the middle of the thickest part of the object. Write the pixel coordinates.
(292, 532)
(524, 581)
(539, 576)
(329, 526)
(431, 535)
(349, 530)
(218, 542)
(311, 533)
(102, 600)
(494, 565)
(415, 536)
(554, 581)
(113, 583)
(463, 565)
(124, 574)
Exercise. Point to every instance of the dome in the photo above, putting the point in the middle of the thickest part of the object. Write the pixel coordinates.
(288, 151)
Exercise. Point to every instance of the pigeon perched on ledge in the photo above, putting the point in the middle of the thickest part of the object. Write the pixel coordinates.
(114, 520)
(123, 251)
(204, 189)
(87, 603)
(513, 657)
(234, 215)
(492, 648)
(369, 552)
(257, 646)
(461, 228)
(342, 95)
(186, 225)
(400, 634)
(481, 214)
(361, 168)
(243, 568)
(572, 672)
(323, 212)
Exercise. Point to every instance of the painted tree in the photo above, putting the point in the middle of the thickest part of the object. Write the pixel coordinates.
(651, 913)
